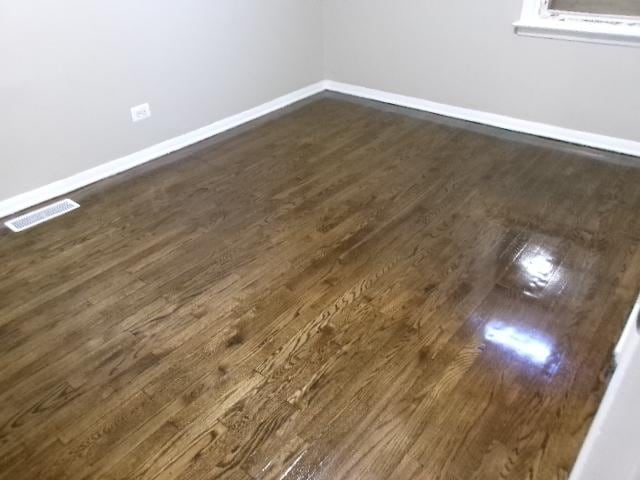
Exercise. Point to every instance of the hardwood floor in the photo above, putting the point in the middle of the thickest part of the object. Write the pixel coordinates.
(342, 290)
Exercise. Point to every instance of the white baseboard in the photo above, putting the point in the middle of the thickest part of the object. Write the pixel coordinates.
(87, 177)
(34, 197)
(603, 142)
(630, 338)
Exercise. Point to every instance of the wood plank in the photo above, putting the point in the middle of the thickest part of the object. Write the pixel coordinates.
(343, 289)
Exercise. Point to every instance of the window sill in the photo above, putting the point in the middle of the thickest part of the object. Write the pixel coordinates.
(579, 31)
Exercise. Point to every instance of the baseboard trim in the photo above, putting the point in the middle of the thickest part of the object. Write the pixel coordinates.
(602, 142)
(26, 200)
(39, 195)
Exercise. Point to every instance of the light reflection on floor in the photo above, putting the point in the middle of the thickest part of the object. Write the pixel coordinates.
(527, 345)
(536, 269)
(539, 265)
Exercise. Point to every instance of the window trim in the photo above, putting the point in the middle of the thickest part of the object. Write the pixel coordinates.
(538, 20)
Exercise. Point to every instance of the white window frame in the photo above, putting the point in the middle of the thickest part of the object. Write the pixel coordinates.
(538, 20)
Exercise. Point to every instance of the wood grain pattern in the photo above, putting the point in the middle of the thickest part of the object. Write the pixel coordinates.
(341, 290)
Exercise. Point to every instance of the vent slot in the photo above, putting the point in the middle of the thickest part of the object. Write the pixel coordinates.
(41, 215)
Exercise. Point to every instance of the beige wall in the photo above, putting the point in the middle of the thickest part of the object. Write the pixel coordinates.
(70, 71)
(464, 53)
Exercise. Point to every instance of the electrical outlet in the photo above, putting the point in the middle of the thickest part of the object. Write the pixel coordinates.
(140, 112)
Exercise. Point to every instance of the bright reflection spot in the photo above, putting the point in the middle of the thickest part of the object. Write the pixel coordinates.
(539, 265)
(522, 343)
(292, 466)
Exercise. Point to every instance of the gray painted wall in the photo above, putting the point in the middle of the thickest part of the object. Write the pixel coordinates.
(70, 71)
(464, 53)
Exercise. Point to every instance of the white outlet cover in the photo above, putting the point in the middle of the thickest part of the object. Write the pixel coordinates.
(140, 112)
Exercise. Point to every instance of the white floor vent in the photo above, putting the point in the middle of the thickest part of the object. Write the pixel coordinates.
(41, 215)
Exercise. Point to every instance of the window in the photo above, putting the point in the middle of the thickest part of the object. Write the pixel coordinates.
(605, 21)
(601, 7)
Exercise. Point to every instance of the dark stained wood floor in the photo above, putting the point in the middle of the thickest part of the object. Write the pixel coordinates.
(344, 290)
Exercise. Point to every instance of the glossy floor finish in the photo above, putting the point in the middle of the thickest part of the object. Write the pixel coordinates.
(345, 290)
